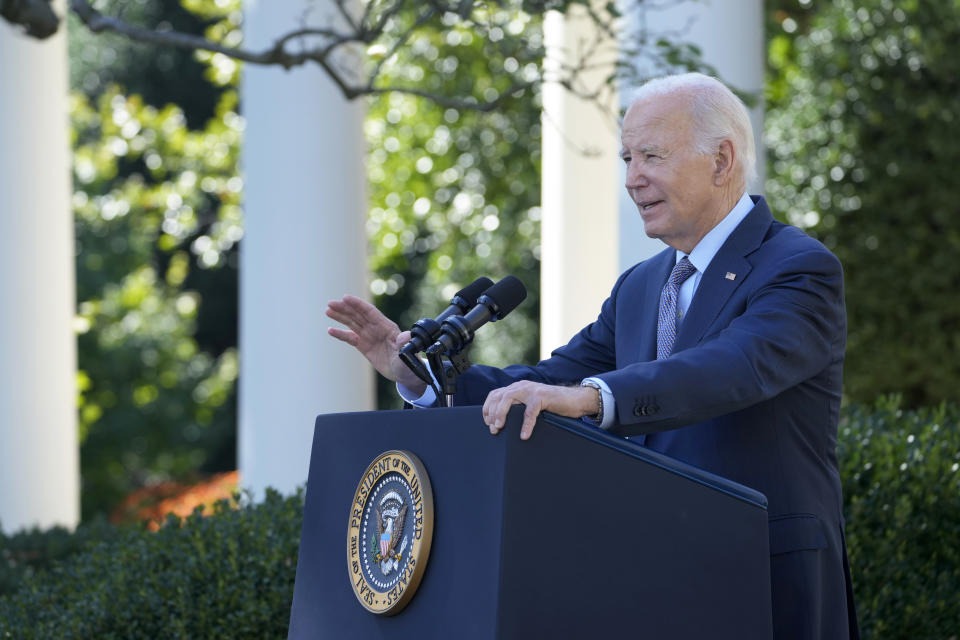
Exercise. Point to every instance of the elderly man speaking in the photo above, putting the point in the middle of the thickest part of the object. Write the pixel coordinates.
(724, 351)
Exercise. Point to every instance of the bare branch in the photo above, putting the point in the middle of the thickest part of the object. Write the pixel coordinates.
(339, 48)
(385, 17)
(400, 41)
(276, 55)
(469, 103)
(335, 37)
(341, 7)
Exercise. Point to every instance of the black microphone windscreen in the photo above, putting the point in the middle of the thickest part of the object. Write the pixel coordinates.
(472, 291)
(507, 294)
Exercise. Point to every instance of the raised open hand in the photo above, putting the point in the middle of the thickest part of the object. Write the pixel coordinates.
(374, 335)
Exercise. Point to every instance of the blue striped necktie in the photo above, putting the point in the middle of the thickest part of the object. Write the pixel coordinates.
(667, 323)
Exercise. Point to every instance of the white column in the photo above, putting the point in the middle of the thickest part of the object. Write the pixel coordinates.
(304, 244)
(579, 188)
(730, 35)
(39, 477)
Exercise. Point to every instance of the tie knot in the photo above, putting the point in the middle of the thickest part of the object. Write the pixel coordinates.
(683, 270)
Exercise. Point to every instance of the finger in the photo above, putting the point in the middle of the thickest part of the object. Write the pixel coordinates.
(484, 410)
(344, 336)
(499, 406)
(489, 410)
(349, 310)
(529, 417)
(366, 311)
(508, 397)
(402, 338)
(358, 305)
(341, 313)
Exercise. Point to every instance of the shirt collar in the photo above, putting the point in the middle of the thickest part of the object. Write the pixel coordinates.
(710, 244)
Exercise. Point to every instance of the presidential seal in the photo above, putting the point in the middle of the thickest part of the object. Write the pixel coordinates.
(389, 533)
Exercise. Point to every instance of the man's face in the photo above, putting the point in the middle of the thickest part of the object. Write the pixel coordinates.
(671, 183)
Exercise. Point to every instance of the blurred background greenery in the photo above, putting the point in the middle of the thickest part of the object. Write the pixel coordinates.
(862, 132)
(861, 125)
(157, 196)
(863, 137)
(861, 128)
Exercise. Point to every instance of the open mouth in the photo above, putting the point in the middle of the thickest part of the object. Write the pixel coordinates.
(646, 206)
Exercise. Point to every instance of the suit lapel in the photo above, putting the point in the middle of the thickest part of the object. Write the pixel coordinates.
(727, 270)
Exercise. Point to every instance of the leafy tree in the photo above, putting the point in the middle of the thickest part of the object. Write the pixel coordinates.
(157, 206)
(863, 135)
(454, 193)
(357, 44)
(159, 75)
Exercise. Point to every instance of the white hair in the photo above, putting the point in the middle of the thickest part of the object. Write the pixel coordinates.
(717, 114)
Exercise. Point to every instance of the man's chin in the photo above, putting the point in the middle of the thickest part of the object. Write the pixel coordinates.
(650, 226)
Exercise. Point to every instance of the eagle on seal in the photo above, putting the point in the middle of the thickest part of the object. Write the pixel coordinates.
(392, 533)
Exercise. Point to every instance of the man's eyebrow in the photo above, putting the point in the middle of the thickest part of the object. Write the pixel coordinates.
(652, 148)
(647, 148)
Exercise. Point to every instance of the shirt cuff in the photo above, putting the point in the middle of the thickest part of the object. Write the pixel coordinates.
(607, 403)
(427, 399)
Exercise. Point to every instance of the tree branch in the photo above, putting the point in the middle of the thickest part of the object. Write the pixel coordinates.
(36, 17)
(276, 55)
(469, 103)
(377, 23)
(400, 41)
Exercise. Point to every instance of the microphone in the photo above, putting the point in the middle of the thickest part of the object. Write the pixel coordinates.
(426, 330)
(495, 303)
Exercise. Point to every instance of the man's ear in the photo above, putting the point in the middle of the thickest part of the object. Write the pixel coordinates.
(724, 160)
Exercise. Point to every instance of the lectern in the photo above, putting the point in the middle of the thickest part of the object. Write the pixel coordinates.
(574, 533)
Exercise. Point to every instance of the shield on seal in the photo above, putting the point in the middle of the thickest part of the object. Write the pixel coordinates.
(385, 540)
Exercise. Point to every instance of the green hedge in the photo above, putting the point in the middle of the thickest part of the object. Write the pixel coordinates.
(24, 554)
(226, 576)
(231, 575)
(901, 485)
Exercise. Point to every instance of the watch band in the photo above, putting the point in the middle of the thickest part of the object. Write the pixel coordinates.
(598, 416)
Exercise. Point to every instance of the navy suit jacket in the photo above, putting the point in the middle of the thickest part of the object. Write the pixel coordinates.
(751, 392)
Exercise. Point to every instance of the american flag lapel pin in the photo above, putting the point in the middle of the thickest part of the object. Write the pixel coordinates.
(730, 276)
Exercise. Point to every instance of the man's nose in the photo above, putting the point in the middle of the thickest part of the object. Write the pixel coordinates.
(635, 175)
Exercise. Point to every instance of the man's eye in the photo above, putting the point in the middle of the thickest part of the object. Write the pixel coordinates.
(652, 156)
(626, 159)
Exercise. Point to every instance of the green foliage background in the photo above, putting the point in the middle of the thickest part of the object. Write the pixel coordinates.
(454, 194)
(157, 210)
(863, 133)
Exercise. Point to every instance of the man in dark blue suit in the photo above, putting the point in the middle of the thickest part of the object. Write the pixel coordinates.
(724, 351)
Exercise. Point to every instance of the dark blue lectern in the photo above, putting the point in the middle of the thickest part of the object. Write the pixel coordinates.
(573, 534)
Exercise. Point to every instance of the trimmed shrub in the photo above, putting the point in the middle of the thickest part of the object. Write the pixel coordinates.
(26, 553)
(226, 576)
(901, 484)
(231, 575)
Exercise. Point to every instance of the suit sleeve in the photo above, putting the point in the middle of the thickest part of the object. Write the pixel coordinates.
(590, 352)
(792, 327)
